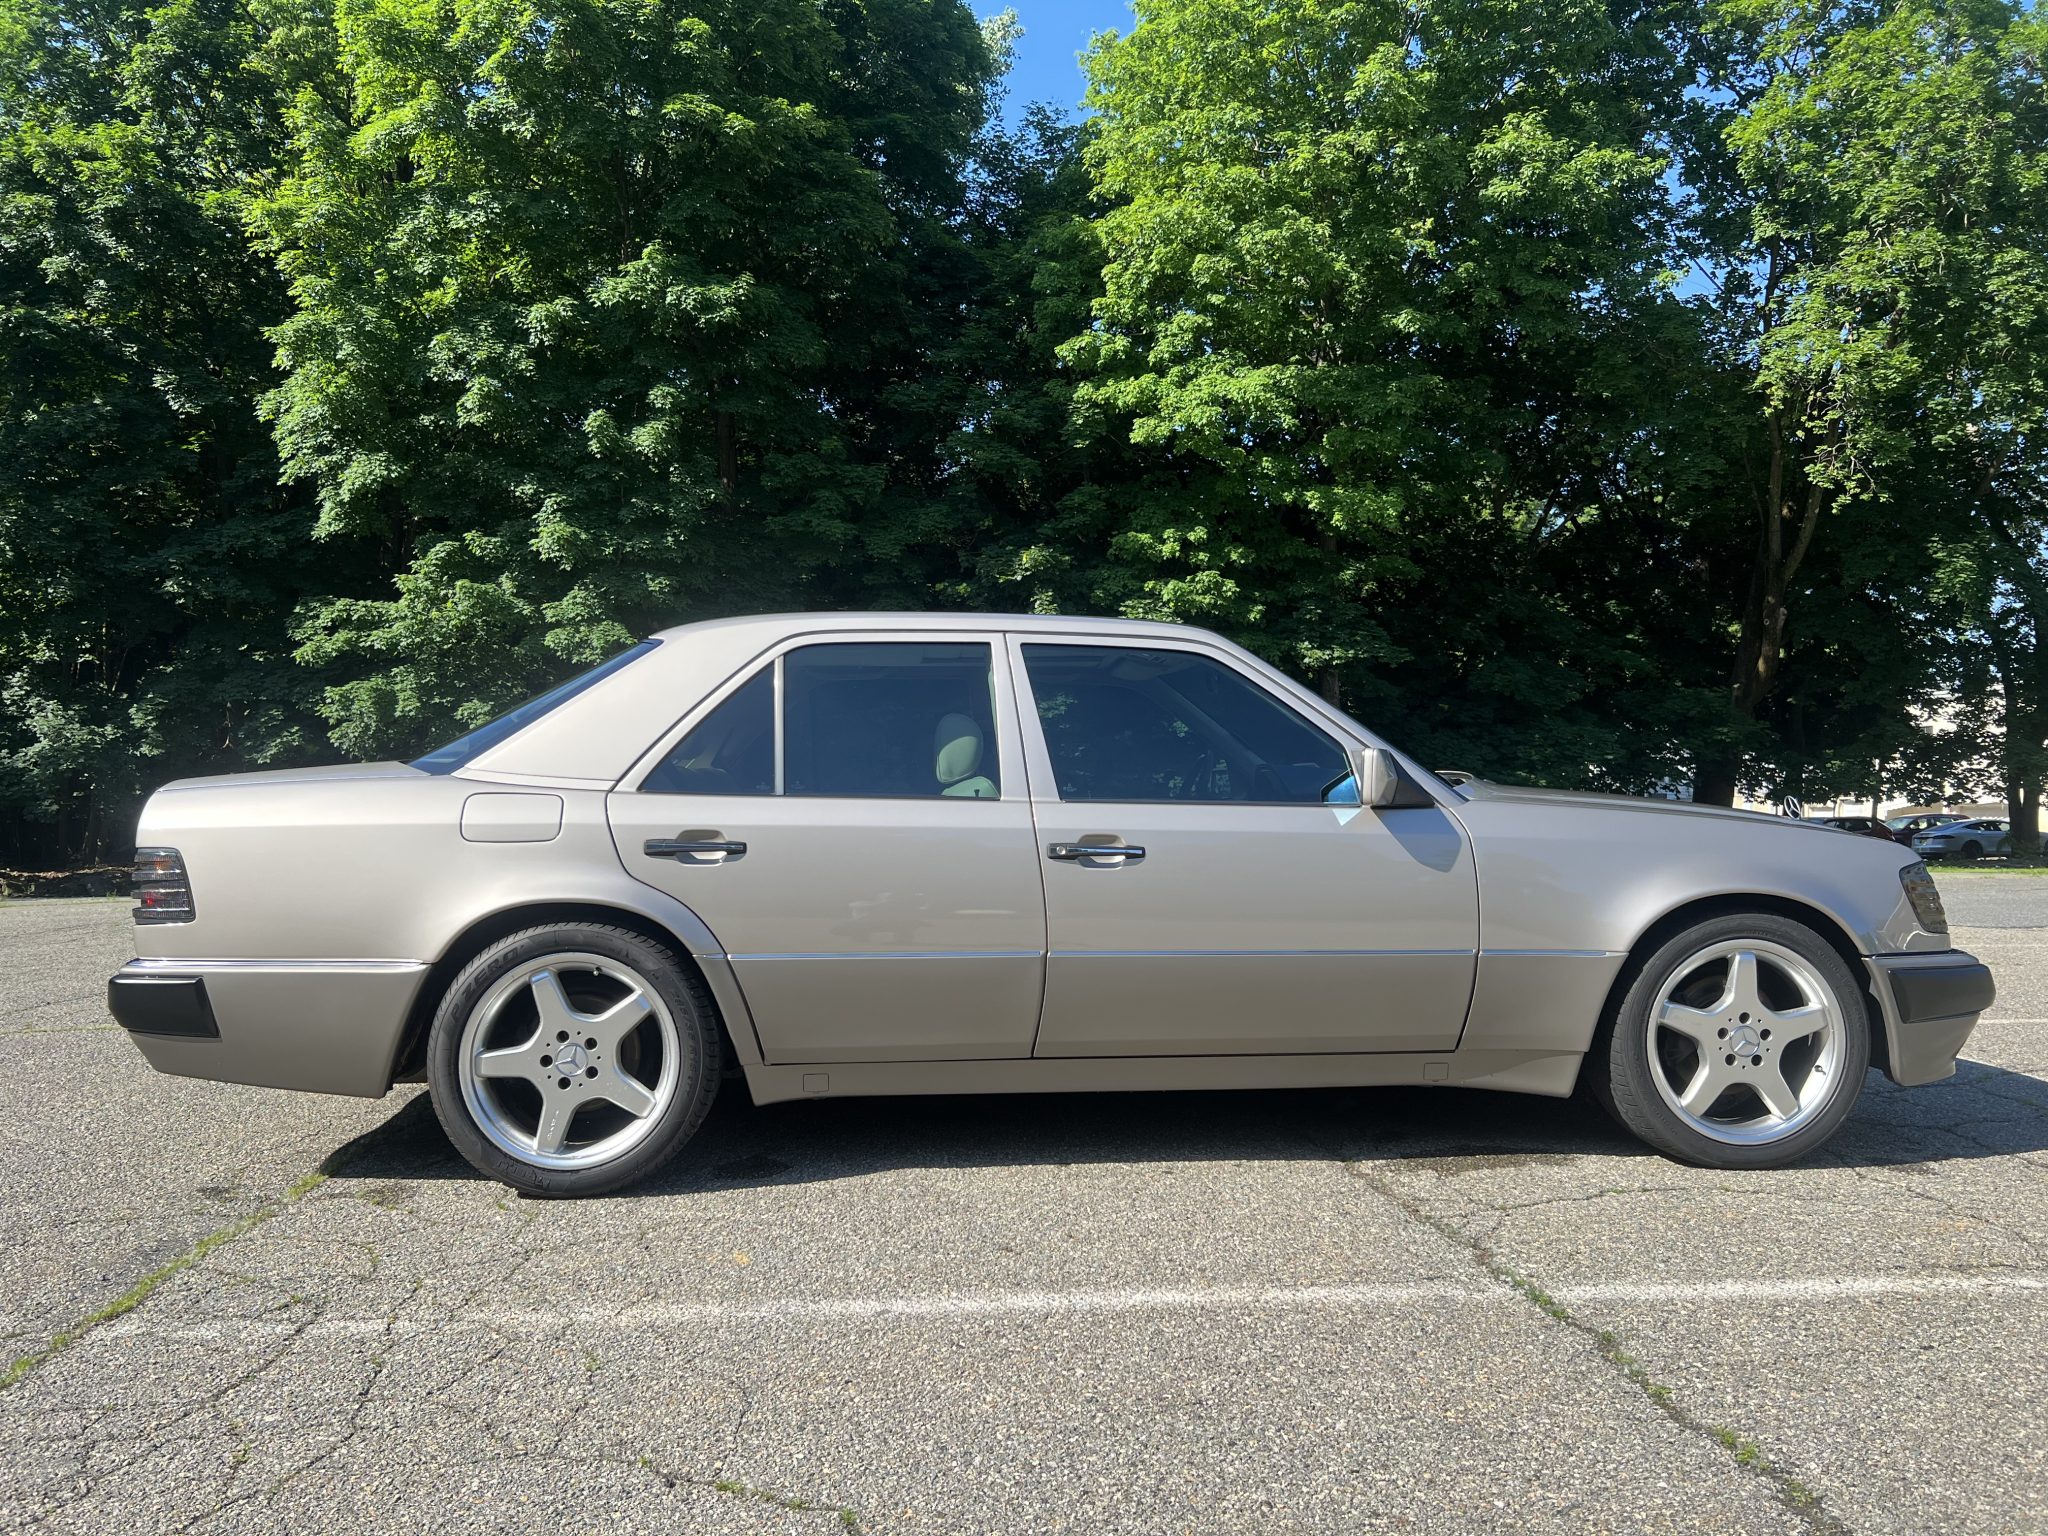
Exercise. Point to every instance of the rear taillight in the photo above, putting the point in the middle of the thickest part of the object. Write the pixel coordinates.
(163, 892)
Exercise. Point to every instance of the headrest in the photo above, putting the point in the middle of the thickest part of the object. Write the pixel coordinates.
(957, 746)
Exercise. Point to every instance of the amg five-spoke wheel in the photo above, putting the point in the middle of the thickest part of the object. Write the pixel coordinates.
(568, 1060)
(1741, 1042)
(571, 1060)
(1749, 1041)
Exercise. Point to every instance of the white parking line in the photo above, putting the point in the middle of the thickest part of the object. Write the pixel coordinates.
(1374, 1297)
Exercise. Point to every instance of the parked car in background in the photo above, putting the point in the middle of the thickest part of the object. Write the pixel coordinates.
(869, 853)
(1964, 839)
(1865, 826)
(1906, 828)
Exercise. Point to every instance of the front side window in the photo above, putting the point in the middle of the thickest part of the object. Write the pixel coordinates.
(888, 718)
(1132, 725)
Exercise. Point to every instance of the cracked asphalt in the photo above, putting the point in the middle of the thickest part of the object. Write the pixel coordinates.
(236, 1310)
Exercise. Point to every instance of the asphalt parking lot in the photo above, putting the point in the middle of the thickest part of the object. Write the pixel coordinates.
(235, 1310)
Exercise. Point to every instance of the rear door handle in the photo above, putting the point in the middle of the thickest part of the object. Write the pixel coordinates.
(676, 848)
(1130, 852)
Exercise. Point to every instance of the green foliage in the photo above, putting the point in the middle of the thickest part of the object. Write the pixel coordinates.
(149, 559)
(1608, 392)
(603, 310)
(1388, 294)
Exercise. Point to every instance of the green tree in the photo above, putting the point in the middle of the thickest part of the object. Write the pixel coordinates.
(1873, 207)
(610, 314)
(1387, 298)
(149, 560)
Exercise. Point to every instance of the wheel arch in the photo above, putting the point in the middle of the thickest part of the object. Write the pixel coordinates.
(1700, 909)
(484, 931)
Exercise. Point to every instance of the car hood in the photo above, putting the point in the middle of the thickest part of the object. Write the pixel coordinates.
(299, 776)
(1524, 794)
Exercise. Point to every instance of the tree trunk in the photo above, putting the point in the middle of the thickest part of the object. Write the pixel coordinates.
(1760, 638)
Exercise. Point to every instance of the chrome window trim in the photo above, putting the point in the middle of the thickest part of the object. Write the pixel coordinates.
(1011, 768)
(1038, 758)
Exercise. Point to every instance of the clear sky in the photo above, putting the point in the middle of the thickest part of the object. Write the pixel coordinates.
(1055, 31)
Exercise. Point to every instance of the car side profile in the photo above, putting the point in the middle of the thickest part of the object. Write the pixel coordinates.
(1970, 839)
(1905, 828)
(841, 854)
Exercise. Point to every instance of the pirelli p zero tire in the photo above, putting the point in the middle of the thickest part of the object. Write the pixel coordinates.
(1741, 1042)
(573, 1059)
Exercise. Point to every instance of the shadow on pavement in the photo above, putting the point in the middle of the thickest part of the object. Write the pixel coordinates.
(1973, 1115)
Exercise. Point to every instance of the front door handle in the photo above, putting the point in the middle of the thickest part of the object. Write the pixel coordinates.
(1129, 852)
(676, 848)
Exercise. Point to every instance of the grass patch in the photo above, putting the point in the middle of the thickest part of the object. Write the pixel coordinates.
(738, 1490)
(24, 1366)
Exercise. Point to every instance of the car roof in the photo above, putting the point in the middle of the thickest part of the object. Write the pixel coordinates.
(1027, 623)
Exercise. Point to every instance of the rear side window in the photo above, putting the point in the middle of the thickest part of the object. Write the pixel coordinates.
(731, 751)
(882, 719)
(895, 719)
(479, 741)
(1143, 726)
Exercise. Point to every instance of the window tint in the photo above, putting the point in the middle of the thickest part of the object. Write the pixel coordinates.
(731, 751)
(461, 750)
(889, 718)
(1132, 725)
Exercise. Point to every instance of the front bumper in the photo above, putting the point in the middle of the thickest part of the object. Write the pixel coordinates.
(327, 1026)
(1930, 1003)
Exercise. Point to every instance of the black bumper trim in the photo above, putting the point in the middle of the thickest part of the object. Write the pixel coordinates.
(1923, 993)
(162, 1005)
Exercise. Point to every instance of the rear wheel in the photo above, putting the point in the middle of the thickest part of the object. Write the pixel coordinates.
(1973, 850)
(572, 1059)
(1741, 1043)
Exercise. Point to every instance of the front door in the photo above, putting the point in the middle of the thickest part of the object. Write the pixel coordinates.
(1206, 891)
(851, 823)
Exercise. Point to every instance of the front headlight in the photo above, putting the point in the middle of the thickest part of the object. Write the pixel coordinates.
(1926, 900)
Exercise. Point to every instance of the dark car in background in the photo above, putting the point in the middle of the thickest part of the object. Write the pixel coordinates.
(1906, 828)
(1865, 826)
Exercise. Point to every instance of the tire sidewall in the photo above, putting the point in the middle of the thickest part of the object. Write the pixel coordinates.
(696, 1034)
(1631, 1091)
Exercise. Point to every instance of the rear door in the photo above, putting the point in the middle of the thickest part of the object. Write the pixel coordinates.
(850, 820)
(1207, 891)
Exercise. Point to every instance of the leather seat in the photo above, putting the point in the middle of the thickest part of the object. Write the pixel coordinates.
(956, 749)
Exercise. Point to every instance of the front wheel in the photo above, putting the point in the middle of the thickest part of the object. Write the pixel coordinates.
(572, 1059)
(1741, 1043)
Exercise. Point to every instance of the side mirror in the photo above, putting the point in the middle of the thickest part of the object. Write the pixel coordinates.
(1378, 776)
(1382, 784)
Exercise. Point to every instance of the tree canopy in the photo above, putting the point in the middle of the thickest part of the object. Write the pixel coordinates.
(1623, 393)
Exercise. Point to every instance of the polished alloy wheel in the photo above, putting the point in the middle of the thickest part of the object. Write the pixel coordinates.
(1746, 1041)
(569, 1060)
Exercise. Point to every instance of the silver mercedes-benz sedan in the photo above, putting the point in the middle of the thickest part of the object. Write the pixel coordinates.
(941, 853)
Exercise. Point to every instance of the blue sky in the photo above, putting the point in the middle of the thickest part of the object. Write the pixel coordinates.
(1054, 32)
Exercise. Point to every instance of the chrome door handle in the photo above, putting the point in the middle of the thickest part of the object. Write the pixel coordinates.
(674, 848)
(1130, 852)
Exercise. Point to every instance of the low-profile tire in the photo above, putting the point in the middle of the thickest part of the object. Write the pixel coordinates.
(1768, 1011)
(573, 1059)
(1973, 850)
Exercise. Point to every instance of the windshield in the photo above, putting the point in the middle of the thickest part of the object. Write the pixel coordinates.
(461, 750)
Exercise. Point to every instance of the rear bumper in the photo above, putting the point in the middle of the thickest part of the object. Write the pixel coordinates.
(326, 1026)
(1930, 1005)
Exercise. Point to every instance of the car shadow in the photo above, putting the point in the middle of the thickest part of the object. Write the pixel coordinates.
(1978, 1113)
